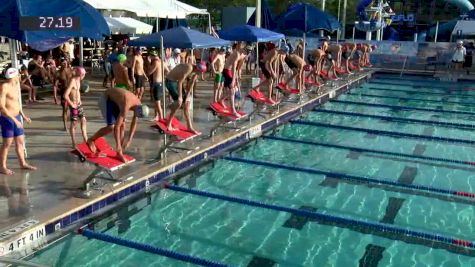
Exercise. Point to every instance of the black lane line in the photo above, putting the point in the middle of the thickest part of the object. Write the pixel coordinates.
(392, 209)
(298, 222)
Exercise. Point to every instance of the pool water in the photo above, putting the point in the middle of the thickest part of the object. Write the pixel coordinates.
(241, 235)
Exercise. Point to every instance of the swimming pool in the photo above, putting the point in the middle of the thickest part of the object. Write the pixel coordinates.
(391, 158)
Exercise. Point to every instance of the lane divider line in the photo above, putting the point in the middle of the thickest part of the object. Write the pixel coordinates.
(386, 133)
(414, 99)
(397, 119)
(148, 248)
(365, 150)
(350, 177)
(327, 217)
(402, 107)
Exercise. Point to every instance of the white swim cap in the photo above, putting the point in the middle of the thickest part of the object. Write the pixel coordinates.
(11, 73)
(459, 42)
(142, 111)
(177, 51)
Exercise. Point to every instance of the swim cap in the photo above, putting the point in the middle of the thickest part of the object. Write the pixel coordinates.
(307, 67)
(153, 53)
(121, 58)
(85, 87)
(201, 67)
(80, 71)
(142, 111)
(177, 51)
(285, 49)
(11, 73)
(459, 42)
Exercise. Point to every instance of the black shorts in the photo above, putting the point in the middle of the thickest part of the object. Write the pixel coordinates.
(139, 81)
(266, 73)
(157, 91)
(346, 55)
(290, 63)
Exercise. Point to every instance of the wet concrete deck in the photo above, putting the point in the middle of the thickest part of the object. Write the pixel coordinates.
(54, 188)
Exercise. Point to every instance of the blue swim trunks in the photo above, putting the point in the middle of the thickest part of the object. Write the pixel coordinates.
(9, 128)
(112, 112)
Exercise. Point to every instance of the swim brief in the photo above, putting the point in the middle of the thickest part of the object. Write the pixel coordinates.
(219, 78)
(172, 87)
(76, 113)
(9, 128)
(264, 70)
(290, 63)
(121, 85)
(228, 77)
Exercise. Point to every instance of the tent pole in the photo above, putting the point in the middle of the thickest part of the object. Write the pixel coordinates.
(258, 13)
(437, 32)
(209, 23)
(354, 32)
(343, 35)
(81, 51)
(162, 56)
(191, 95)
(257, 59)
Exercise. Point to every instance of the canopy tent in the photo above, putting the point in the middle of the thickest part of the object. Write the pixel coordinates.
(248, 33)
(466, 27)
(92, 23)
(146, 8)
(126, 25)
(267, 19)
(307, 18)
(180, 37)
(471, 14)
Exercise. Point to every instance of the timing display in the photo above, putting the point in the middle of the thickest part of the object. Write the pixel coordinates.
(45, 23)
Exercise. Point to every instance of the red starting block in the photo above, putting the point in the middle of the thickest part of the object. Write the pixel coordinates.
(258, 96)
(288, 90)
(220, 110)
(181, 132)
(106, 157)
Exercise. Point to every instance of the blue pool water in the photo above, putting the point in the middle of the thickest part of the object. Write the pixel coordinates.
(242, 235)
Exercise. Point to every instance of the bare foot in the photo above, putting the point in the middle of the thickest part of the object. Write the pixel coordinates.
(194, 131)
(27, 166)
(6, 171)
(122, 157)
(236, 114)
(92, 146)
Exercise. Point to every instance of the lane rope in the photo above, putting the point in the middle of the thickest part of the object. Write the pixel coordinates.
(148, 248)
(417, 92)
(365, 150)
(349, 177)
(471, 104)
(326, 217)
(386, 133)
(397, 119)
(402, 107)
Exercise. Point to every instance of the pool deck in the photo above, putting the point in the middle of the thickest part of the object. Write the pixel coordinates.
(36, 206)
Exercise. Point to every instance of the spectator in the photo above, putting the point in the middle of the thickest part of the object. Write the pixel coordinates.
(459, 55)
(26, 84)
(175, 59)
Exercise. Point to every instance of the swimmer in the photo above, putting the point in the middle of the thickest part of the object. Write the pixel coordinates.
(267, 66)
(231, 76)
(62, 81)
(218, 66)
(114, 105)
(10, 121)
(121, 77)
(316, 59)
(155, 73)
(181, 82)
(296, 64)
(138, 74)
(72, 96)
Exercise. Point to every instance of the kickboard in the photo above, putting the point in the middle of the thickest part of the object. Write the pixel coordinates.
(225, 111)
(288, 90)
(106, 156)
(182, 133)
(260, 97)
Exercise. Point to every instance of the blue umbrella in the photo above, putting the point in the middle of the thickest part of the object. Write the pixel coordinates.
(247, 33)
(307, 18)
(46, 23)
(267, 19)
(180, 37)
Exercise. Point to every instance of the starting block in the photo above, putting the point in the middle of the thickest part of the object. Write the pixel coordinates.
(178, 136)
(105, 160)
(261, 101)
(226, 117)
